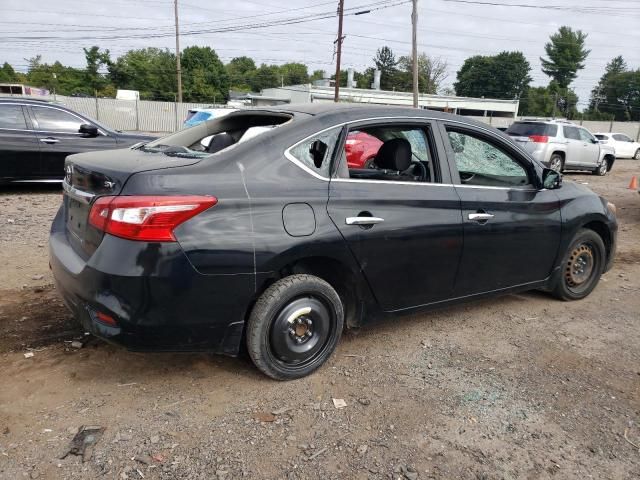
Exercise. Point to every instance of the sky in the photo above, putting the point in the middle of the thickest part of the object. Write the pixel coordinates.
(449, 29)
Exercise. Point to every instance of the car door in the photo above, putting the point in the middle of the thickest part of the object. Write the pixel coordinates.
(511, 226)
(623, 145)
(405, 231)
(574, 147)
(590, 147)
(19, 146)
(59, 135)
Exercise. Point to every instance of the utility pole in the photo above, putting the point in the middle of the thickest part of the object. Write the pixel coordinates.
(336, 95)
(414, 22)
(178, 69)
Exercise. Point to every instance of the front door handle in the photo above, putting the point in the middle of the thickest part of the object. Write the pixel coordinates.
(363, 220)
(480, 217)
(49, 140)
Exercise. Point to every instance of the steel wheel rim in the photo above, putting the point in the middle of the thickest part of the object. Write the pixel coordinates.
(580, 267)
(300, 332)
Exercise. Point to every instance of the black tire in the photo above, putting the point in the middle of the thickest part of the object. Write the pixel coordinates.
(556, 162)
(602, 170)
(294, 327)
(637, 155)
(581, 267)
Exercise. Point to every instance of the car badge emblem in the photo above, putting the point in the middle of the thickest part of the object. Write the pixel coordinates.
(108, 184)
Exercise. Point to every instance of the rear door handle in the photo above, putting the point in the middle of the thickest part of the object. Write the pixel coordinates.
(363, 220)
(49, 140)
(480, 217)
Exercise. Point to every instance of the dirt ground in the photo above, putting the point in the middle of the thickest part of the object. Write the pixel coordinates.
(522, 387)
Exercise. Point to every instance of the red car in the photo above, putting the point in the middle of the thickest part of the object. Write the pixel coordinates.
(361, 149)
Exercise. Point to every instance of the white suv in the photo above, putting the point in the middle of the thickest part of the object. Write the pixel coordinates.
(560, 144)
(624, 145)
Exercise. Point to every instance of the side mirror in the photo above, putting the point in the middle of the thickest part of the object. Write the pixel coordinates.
(595, 140)
(318, 150)
(551, 179)
(88, 130)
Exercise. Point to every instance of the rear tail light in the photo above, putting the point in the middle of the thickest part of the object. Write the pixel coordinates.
(146, 218)
(539, 138)
(108, 319)
(351, 141)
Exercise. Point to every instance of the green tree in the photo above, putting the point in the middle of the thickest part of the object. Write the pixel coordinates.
(240, 71)
(294, 74)
(316, 75)
(505, 76)
(622, 96)
(431, 73)
(203, 75)
(549, 101)
(386, 62)
(365, 79)
(599, 94)
(266, 76)
(95, 61)
(7, 73)
(152, 71)
(566, 55)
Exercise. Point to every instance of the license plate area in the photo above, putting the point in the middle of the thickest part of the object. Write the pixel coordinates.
(77, 216)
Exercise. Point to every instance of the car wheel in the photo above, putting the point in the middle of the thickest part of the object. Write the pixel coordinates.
(581, 266)
(637, 155)
(556, 163)
(370, 163)
(294, 327)
(602, 169)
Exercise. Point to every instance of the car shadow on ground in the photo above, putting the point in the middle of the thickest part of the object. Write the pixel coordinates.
(48, 326)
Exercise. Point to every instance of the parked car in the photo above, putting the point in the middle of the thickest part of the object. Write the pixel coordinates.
(561, 145)
(36, 136)
(276, 244)
(624, 146)
(361, 149)
(196, 116)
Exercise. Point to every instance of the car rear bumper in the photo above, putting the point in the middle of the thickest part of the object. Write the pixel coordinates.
(158, 300)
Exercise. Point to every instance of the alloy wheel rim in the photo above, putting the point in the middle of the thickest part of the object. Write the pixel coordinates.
(603, 168)
(300, 331)
(580, 266)
(556, 165)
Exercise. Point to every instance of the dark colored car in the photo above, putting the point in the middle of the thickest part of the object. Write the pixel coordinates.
(274, 243)
(361, 149)
(36, 136)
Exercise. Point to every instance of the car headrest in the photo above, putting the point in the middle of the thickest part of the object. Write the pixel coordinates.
(220, 142)
(394, 154)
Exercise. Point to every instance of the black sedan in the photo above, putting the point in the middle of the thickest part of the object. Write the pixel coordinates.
(36, 136)
(261, 236)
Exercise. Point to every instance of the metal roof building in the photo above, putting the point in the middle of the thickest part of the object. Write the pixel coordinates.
(478, 107)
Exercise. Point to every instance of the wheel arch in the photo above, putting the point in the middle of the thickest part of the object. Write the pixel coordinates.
(603, 231)
(342, 277)
(611, 158)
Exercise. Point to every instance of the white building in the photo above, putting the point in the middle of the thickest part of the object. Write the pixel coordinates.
(477, 107)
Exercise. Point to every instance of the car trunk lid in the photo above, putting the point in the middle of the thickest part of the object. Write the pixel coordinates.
(91, 175)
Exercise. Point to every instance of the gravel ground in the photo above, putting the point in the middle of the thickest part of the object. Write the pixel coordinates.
(518, 387)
